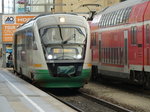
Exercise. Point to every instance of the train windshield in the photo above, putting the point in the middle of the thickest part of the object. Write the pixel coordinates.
(63, 42)
(63, 34)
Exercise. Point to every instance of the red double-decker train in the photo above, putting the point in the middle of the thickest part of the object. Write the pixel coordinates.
(120, 42)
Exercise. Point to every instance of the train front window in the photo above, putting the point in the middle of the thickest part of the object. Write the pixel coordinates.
(63, 42)
(63, 34)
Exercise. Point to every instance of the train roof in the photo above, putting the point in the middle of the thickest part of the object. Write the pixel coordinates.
(42, 15)
(122, 5)
(44, 19)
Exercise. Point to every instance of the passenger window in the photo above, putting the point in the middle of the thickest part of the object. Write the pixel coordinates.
(118, 55)
(121, 56)
(100, 48)
(107, 19)
(103, 55)
(29, 38)
(125, 15)
(109, 55)
(133, 35)
(112, 60)
(106, 55)
(128, 14)
(111, 19)
(115, 19)
(147, 34)
(102, 21)
(121, 17)
(93, 39)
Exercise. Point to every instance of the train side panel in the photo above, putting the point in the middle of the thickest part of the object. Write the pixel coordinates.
(125, 47)
(147, 39)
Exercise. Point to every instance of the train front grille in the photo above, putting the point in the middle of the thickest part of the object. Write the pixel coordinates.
(65, 69)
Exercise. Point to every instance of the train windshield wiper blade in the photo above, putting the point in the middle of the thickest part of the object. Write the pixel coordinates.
(69, 38)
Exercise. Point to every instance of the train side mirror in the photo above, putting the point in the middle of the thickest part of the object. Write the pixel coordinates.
(35, 46)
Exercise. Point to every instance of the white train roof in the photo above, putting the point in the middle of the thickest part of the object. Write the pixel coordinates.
(53, 19)
(121, 5)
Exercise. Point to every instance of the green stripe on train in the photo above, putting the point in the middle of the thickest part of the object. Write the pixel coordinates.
(45, 79)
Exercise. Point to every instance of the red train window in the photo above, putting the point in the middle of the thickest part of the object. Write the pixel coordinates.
(133, 35)
(147, 34)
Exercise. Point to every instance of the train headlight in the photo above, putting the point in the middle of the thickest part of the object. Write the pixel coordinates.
(79, 56)
(62, 19)
(49, 57)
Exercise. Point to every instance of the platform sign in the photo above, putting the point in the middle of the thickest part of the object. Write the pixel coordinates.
(10, 24)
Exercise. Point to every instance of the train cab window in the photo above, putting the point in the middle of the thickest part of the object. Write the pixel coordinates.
(133, 35)
(148, 34)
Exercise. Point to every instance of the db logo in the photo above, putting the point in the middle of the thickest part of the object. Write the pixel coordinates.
(9, 20)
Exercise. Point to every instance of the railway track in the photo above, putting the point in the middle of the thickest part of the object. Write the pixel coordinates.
(106, 103)
(85, 103)
(96, 105)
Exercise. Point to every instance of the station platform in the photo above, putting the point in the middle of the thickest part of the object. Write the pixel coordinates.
(16, 95)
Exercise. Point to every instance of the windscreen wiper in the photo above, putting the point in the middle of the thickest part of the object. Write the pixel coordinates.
(69, 38)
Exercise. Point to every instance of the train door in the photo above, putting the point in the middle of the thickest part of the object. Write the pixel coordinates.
(15, 52)
(126, 51)
(99, 40)
(23, 53)
(147, 48)
(29, 53)
(136, 48)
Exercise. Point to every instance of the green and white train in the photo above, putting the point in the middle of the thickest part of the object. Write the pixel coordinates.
(54, 51)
